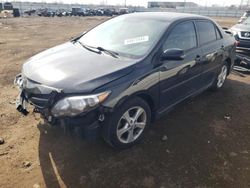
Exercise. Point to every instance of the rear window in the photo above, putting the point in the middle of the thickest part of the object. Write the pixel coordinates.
(206, 32)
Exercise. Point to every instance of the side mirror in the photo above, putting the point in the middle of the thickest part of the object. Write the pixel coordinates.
(173, 54)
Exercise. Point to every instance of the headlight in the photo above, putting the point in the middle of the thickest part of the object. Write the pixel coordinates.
(72, 106)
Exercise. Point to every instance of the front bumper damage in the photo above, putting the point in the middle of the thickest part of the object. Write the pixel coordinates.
(42, 98)
(21, 102)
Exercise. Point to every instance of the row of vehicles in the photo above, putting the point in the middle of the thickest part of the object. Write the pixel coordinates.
(78, 12)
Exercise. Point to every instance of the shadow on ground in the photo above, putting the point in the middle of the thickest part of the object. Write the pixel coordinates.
(203, 149)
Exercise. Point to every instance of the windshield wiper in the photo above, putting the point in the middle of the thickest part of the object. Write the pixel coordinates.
(89, 48)
(100, 49)
(113, 54)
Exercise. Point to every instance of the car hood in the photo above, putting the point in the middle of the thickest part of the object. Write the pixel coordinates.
(241, 27)
(73, 69)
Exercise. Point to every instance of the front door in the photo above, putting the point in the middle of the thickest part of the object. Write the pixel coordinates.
(179, 79)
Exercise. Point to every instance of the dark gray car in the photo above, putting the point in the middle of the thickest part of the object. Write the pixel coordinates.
(125, 73)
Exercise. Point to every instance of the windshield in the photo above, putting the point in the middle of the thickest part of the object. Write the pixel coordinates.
(247, 21)
(127, 35)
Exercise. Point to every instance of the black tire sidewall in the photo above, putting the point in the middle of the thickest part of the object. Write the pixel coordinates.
(111, 123)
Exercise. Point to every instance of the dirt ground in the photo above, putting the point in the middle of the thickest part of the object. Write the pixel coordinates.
(208, 141)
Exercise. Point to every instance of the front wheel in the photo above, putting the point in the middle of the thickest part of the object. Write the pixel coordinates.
(126, 126)
(221, 78)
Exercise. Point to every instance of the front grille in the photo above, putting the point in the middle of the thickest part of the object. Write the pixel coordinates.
(39, 95)
(38, 100)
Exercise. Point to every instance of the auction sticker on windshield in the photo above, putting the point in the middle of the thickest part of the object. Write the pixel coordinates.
(136, 40)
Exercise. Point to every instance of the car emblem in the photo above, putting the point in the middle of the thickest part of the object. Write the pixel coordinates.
(247, 34)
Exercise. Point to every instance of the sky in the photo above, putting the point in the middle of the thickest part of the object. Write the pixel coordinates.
(139, 2)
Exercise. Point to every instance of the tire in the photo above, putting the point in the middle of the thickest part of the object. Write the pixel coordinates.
(221, 78)
(123, 129)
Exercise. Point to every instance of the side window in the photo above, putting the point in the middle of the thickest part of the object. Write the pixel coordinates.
(218, 34)
(206, 31)
(183, 36)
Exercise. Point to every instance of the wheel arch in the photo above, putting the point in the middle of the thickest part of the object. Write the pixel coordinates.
(144, 96)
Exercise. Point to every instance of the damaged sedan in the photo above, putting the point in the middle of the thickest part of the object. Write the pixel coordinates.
(117, 78)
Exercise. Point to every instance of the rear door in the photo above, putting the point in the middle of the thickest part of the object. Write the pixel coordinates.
(211, 42)
(179, 79)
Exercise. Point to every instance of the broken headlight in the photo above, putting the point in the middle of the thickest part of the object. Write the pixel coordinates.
(72, 106)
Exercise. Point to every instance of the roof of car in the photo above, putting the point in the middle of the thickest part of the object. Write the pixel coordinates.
(165, 16)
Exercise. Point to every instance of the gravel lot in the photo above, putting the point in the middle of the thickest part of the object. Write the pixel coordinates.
(208, 137)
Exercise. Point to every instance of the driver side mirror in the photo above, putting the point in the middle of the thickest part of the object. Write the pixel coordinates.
(173, 54)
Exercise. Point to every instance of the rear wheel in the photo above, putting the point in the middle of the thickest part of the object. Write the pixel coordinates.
(126, 126)
(221, 78)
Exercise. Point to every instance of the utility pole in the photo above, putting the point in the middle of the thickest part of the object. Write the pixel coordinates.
(125, 3)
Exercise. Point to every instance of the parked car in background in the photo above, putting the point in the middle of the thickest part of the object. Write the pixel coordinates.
(241, 33)
(244, 17)
(46, 12)
(123, 11)
(78, 12)
(116, 80)
(30, 12)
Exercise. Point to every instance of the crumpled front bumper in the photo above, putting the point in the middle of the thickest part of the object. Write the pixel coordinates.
(42, 98)
(21, 102)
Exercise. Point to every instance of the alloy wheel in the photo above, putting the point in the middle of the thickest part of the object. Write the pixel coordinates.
(131, 125)
(222, 76)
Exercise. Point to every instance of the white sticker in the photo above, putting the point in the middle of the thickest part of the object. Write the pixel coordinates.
(136, 40)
